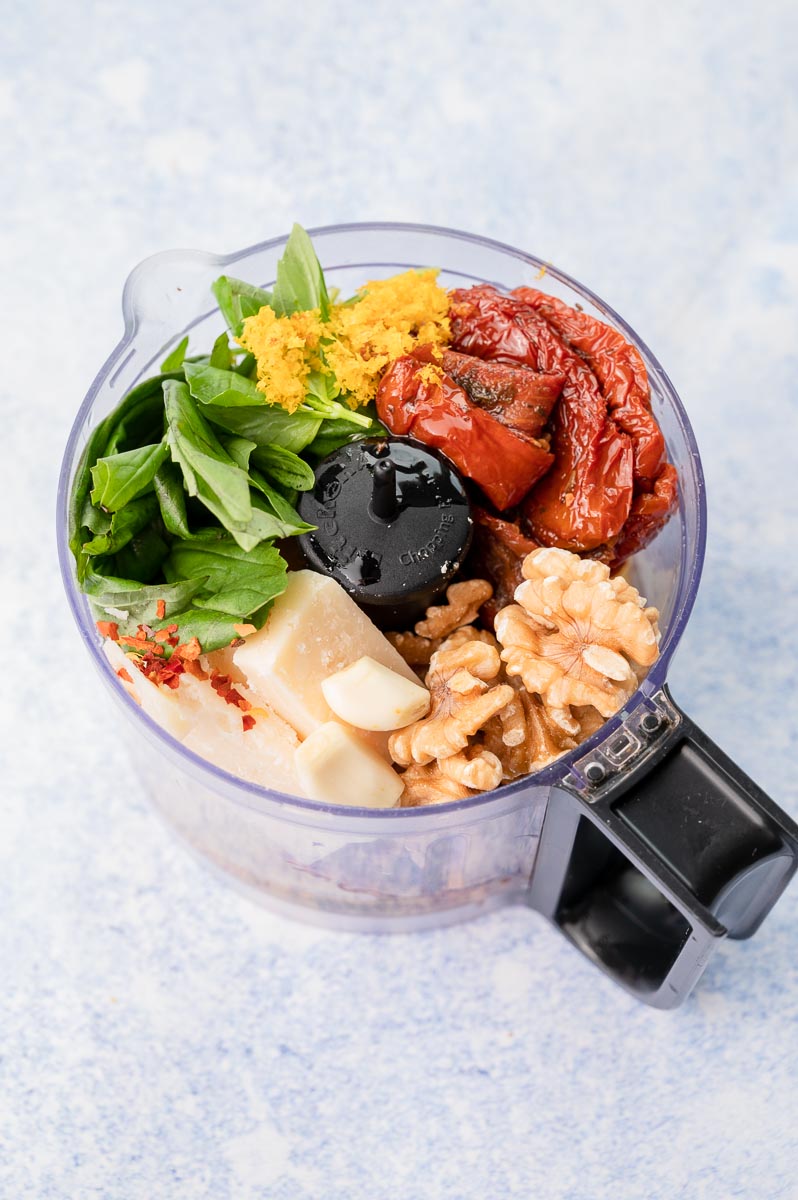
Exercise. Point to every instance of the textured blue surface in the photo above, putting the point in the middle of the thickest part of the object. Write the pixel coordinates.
(160, 1036)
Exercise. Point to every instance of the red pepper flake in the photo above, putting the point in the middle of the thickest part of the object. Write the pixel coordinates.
(123, 673)
(138, 643)
(192, 667)
(248, 722)
(162, 636)
(189, 651)
(160, 609)
(165, 672)
(171, 629)
(223, 687)
(108, 629)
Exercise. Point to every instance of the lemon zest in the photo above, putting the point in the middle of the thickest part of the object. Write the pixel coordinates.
(391, 317)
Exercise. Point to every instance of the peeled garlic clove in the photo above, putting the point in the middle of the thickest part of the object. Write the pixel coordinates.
(371, 696)
(335, 766)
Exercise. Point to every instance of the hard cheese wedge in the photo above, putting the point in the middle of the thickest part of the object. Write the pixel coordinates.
(336, 766)
(198, 717)
(314, 630)
(165, 706)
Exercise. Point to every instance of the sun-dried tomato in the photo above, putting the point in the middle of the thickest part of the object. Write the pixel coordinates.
(522, 399)
(619, 369)
(650, 512)
(437, 411)
(584, 500)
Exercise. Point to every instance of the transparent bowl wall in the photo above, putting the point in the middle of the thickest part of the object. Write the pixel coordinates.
(357, 867)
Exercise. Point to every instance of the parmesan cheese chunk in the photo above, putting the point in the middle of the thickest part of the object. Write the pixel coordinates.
(263, 754)
(313, 631)
(197, 716)
(336, 766)
(161, 704)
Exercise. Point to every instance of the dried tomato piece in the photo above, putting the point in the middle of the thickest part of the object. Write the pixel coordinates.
(522, 399)
(585, 499)
(619, 369)
(438, 412)
(650, 512)
(499, 548)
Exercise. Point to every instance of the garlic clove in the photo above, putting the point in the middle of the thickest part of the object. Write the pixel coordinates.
(371, 696)
(335, 766)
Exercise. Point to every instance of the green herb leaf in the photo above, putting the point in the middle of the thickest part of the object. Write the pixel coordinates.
(213, 630)
(168, 483)
(240, 450)
(273, 504)
(246, 366)
(283, 467)
(124, 525)
(267, 425)
(238, 300)
(208, 471)
(174, 360)
(336, 432)
(300, 280)
(221, 355)
(120, 478)
(139, 601)
(223, 389)
(142, 558)
(236, 582)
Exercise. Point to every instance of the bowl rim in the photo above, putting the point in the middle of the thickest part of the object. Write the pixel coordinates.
(254, 795)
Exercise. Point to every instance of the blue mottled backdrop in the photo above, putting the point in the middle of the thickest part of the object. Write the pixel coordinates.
(160, 1037)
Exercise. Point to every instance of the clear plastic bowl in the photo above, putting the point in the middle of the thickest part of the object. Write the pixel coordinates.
(360, 868)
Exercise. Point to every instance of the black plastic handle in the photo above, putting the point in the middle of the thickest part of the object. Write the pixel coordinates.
(656, 847)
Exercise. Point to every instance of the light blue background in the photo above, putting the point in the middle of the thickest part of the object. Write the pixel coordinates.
(160, 1037)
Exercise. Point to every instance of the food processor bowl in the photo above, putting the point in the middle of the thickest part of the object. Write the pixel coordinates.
(646, 845)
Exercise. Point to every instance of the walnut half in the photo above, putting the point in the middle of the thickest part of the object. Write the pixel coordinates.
(444, 756)
(574, 634)
(463, 602)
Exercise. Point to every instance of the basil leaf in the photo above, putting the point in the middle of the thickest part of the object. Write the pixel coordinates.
(267, 425)
(274, 503)
(137, 419)
(123, 477)
(236, 582)
(240, 450)
(283, 467)
(94, 519)
(338, 432)
(139, 601)
(213, 630)
(141, 558)
(124, 525)
(238, 300)
(221, 355)
(322, 386)
(208, 471)
(247, 365)
(168, 483)
(223, 389)
(300, 280)
(174, 360)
